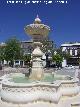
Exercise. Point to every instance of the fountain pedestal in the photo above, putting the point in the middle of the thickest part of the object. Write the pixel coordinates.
(37, 64)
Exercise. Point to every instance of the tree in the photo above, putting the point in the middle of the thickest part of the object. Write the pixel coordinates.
(2, 50)
(57, 58)
(63, 54)
(12, 50)
(27, 58)
(47, 45)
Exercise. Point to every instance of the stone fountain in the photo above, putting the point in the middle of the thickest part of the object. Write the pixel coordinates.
(37, 87)
(38, 31)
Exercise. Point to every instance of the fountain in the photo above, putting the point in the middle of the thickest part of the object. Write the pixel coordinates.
(39, 86)
(37, 68)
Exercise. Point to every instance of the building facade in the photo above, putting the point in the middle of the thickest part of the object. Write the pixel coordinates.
(74, 50)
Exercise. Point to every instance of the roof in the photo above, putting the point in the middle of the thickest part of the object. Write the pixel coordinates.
(2, 44)
(27, 41)
(71, 44)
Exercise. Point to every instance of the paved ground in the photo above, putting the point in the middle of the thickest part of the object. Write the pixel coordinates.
(63, 71)
(7, 70)
(70, 72)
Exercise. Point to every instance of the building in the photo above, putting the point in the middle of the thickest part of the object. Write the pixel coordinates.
(74, 50)
(27, 46)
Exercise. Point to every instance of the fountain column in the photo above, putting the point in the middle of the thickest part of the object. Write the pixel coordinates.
(39, 32)
(37, 64)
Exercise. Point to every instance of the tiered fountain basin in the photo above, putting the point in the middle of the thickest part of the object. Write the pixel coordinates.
(37, 29)
(32, 91)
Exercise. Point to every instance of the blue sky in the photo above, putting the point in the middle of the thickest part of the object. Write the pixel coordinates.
(64, 20)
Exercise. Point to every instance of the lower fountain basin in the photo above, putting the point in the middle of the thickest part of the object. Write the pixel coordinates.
(17, 92)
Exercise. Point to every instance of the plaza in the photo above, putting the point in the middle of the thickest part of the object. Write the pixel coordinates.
(37, 85)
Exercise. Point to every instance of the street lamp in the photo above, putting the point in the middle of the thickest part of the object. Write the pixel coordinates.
(47, 58)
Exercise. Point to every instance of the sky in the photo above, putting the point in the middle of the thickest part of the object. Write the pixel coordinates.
(63, 19)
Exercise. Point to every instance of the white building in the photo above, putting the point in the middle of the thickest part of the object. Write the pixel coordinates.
(74, 50)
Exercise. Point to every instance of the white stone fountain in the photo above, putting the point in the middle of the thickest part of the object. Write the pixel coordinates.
(36, 87)
(38, 31)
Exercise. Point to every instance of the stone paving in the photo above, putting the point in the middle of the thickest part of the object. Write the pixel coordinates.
(7, 70)
(63, 71)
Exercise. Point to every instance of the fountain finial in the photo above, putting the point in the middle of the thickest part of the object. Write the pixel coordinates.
(37, 16)
(37, 19)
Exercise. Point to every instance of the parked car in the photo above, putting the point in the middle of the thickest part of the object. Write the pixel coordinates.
(69, 67)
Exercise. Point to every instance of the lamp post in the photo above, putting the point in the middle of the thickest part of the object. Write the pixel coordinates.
(47, 58)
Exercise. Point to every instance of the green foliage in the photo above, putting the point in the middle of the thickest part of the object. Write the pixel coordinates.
(47, 45)
(63, 54)
(57, 58)
(2, 50)
(27, 57)
(12, 49)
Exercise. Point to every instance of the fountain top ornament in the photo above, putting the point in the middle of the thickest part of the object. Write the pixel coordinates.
(37, 20)
(37, 30)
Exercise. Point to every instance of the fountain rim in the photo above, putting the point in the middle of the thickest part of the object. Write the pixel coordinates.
(55, 83)
(38, 25)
